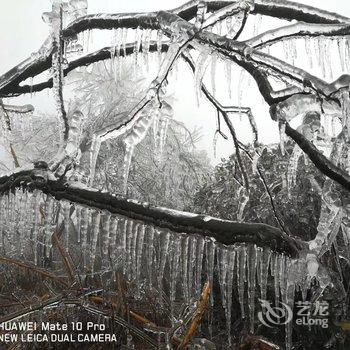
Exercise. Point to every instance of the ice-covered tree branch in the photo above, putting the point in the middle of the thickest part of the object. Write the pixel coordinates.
(168, 22)
(322, 163)
(298, 30)
(223, 231)
(288, 10)
(100, 55)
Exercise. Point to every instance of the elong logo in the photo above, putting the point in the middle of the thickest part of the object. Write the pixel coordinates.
(274, 316)
(308, 314)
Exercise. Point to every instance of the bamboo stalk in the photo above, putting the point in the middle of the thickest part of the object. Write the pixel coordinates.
(33, 268)
(197, 317)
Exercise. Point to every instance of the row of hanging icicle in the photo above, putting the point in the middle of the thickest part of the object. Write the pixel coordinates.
(149, 256)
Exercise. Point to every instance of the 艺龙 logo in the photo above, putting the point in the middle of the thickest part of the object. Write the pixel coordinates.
(274, 316)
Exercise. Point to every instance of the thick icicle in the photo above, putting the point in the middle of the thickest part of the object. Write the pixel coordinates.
(321, 42)
(130, 232)
(226, 262)
(341, 43)
(184, 263)
(164, 239)
(123, 227)
(66, 219)
(95, 234)
(264, 271)
(22, 220)
(78, 223)
(201, 66)
(228, 75)
(106, 234)
(114, 235)
(150, 255)
(244, 199)
(174, 270)
(139, 252)
(241, 275)
(35, 222)
(252, 266)
(327, 59)
(293, 276)
(129, 150)
(293, 166)
(199, 263)
(222, 256)
(191, 265)
(94, 151)
(210, 262)
(162, 128)
(132, 139)
(282, 131)
(293, 51)
(214, 59)
(145, 46)
(276, 275)
(282, 276)
(83, 234)
(159, 45)
(49, 216)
